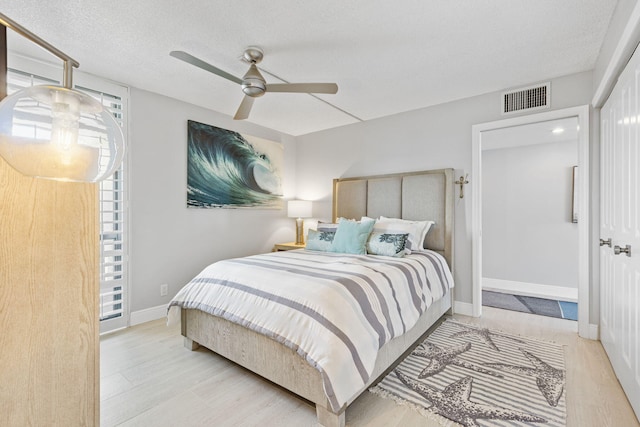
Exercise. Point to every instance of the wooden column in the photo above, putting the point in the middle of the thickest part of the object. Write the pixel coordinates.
(49, 339)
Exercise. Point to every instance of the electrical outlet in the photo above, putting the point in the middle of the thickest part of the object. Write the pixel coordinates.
(164, 290)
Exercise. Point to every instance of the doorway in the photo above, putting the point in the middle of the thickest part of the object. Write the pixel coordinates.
(529, 221)
(481, 139)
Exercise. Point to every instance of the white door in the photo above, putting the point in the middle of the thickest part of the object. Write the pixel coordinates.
(620, 222)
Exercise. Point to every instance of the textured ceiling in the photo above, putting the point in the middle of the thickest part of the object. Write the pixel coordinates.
(386, 57)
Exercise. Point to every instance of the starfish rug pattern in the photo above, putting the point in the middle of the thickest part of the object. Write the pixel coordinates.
(483, 334)
(454, 403)
(458, 377)
(550, 380)
(440, 358)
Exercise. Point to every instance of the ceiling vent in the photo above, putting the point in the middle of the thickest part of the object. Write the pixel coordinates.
(528, 98)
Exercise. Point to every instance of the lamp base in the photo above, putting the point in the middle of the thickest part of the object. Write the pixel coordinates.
(299, 231)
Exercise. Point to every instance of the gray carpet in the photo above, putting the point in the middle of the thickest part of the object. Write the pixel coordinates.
(540, 306)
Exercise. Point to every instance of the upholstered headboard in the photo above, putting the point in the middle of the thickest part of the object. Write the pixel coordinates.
(426, 195)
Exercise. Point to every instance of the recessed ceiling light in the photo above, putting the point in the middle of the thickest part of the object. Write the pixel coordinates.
(557, 131)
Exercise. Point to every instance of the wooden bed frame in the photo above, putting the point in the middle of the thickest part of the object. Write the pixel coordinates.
(416, 195)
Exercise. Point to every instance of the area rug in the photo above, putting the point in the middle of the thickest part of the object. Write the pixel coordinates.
(472, 376)
(540, 306)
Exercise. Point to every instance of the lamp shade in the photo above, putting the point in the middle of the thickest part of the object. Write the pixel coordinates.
(61, 134)
(299, 209)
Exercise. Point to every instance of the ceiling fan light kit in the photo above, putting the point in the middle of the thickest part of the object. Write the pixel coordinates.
(253, 83)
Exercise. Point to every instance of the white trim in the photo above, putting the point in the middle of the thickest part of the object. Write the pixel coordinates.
(463, 308)
(147, 315)
(623, 51)
(583, 189)
(560, 293)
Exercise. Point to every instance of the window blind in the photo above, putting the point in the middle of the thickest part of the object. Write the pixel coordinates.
(112, 227)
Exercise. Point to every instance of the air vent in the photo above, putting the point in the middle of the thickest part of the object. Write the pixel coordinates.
(528, 98)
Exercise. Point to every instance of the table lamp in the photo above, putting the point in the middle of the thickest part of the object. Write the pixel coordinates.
(299, 209)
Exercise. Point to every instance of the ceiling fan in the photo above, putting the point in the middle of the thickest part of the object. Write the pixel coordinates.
(253, 84)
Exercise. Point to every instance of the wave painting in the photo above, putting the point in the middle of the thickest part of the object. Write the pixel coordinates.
(228, 170)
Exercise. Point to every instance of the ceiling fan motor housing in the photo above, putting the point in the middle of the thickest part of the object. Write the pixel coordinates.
(253, 84)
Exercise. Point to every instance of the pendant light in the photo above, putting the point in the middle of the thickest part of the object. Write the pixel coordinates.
(56, 132)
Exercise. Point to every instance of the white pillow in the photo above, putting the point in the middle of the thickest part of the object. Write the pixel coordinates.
(333, 226)
(417, 230)
(327, 226)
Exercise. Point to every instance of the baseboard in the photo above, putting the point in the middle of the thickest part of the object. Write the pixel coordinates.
(464, 308)
(147, 315)
(560, 293)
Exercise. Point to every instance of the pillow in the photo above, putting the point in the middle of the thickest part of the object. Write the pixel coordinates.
(417, 230)
(320, 240)
(351, 236)
(387, 244)
(327, 226)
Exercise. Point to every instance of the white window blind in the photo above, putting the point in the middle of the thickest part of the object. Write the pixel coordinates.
(113, 212)
(113, 203)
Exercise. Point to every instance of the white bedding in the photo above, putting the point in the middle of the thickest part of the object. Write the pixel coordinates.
(335, 310)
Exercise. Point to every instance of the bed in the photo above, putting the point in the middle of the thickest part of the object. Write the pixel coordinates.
(294, 365)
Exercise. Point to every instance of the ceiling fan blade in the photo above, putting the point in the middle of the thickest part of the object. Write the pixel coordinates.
(244, 109)
(184, 56)
(303, 87)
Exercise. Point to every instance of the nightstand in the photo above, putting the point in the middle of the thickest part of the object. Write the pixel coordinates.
(287, 246)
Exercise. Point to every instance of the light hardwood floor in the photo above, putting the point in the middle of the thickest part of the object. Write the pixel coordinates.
(149, 379)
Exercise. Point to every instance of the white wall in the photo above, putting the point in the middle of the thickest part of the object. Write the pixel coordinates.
(170, 243)
(429, 138)
(527, 233)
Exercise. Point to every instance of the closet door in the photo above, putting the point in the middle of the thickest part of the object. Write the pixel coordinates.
(620, 222)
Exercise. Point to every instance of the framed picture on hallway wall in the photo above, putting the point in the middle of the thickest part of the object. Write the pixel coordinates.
(226, 169)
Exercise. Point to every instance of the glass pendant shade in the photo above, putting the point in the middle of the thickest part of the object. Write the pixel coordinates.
(57, 133)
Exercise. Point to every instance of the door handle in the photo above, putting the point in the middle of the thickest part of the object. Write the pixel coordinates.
(605, 242)
(626, 250)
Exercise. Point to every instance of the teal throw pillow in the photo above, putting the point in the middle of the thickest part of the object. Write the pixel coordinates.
(351, 236)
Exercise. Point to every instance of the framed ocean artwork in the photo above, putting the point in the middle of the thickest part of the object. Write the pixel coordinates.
(226, 169)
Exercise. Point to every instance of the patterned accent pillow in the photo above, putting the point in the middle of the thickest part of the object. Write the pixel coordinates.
(320, 240)
(387, 244)
(417, 230)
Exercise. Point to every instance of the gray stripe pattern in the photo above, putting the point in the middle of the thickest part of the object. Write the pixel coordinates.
(402, 265)
(351, 285)
(296, 306)
(439, 267)
(419, 301)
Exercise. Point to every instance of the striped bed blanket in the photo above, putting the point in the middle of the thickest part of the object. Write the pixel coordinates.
(335, 310)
